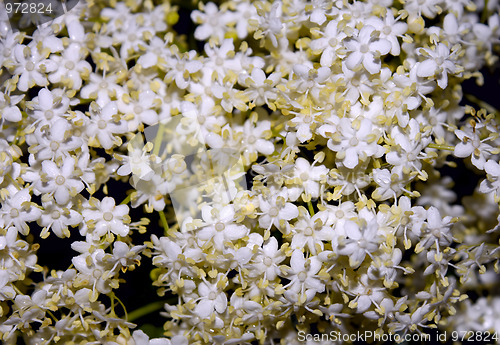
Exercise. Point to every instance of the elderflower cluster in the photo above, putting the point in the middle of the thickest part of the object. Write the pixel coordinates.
(342, 118)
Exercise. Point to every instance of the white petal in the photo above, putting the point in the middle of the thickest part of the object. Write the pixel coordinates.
(426, 68)
(353, 60)
(383, 46)
(463, 150)
(370, 64)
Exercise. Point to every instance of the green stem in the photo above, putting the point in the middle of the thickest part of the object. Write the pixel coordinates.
(147, 309)
(441, 147)
(484, 15)
(311, 209)
(126, 200)
(164, 222)
(113, 297)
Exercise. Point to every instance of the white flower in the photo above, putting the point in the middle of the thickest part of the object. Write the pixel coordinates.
(270, 24)
(57, 219)
(212, 298)
(17, 210)
(31, 67)
(55, 143)
(428, 8)
(308, 177)
(181, 67)
(355, 141)
(102, 88)
(390, 184)
(260, 89)
(71, 67)
(330, 43)
(107, 217)
(304, 282)
(105, 123)
(8, 109)
(407, 151)
(439, 62)
(221, 60)
(472, 145)
(436, 230)
(214, 22)
(140, 110)
(49, 106)
(360, 241)
(254, 139)
(267, 259)
(275, 211)
(492, 183)
(310, 232)
(244, 13)
(390, 29)
(60, 182)
(366, 49)
(222, 227)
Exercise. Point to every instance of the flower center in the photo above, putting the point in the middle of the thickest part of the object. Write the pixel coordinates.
(136, 160)
(219, 61)
(386, 30)
(268, 261)
(30, 66)
(308, 231)
(333, 42)
(411, 156)
(97, 273)
(273, 212)
(251, 139)
(214, 21)
(101, 124)
(304, 176)
(362, 244)
(49, 114)
(220, 226)
(364, 48)
(69, 65)
(138, 109)
(107, 216)
(132, 37)
(212, 295)
(60, 180)
(14, 213)
(54, 145)
(302, 276)
(103, 84)
(339, 214)
(55, 214)
(353, 142)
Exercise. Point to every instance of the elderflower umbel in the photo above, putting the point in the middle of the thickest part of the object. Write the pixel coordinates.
(133, 134)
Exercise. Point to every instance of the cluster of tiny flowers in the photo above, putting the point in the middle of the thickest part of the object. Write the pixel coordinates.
(345, 116)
